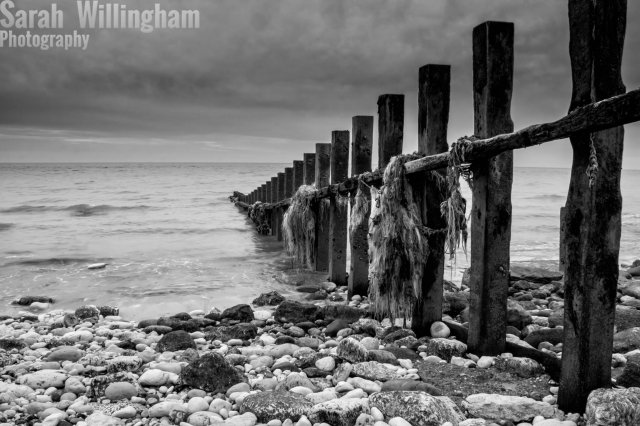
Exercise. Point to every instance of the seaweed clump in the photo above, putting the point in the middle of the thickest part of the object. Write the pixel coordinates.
(259, 215)
(299, 226)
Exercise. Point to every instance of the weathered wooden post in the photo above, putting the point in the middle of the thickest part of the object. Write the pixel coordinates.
(390, 127)
(263, 192)
(338, 210)
(288, 182)
(309, 171)
(562, 257)
(281, 196)
(322, 169)
(361, 149)
(594, 204)
(274, 199)
(298, 174)
(433, 119)
(492, 179)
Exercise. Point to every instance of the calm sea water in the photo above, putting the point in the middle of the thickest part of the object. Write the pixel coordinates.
(173, 242)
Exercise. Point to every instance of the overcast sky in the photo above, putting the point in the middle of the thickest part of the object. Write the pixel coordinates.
(264, 80)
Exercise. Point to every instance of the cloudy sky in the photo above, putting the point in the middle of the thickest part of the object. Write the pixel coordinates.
(264, 80)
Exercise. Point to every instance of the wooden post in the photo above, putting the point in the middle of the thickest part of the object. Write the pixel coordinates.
(298, 174)
(338, 211)
(593, 208)
(274, 199)
(288, 182)
(492, 180)
(433, 119)
(322, 169)
(361, 148)
(269, 191)
(390, 127)
(562, 258)
(281, 196)
(309, 171)
(263, 192)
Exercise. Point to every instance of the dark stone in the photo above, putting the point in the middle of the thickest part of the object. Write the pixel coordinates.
(211, 373)
(533, 274)
(28, 300)
(383, 356)
(626, 318)
(345, 312)
(10, 343)
(109, 311)
(214, 316)
(183, 316)
(551, 335)
(242, 331)
(189, 326)
(513, 330)
(454, 303)
(242, 313)
(403, 353)
(631, 374)
(281, 340)
(517, 316)
(445, 348)
(318, 295)
(308, 288)
(410, 385)
(306, 325)
(276, 405)
(556, 319)
(409, 342)
(314, 372)
(160, 329)
(272, 298)
(335, 326)
(176, 341)
(398, 334)
(626, 340)
(87, 311)
(148, 322)
(126, 344)
(293, 311)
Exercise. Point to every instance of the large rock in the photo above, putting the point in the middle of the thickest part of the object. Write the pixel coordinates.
(271, 298)
(339, 412)
(211, 372)
(503, 407)
(9, 344)
(292, 311)
(120, 390)
(65, 353)
(626, 340)
(626, 318)
(418, 408)
(631, 288)
(242, 313)
(372, 370)
(87, 312)
(455, 302)
(345, 312)
(533, 274)
(352, 350)
(43, 379)
(517, 316)
(609, 407)
(410, 385)
(242, 331)
(268, 406)
(523, 367)
(551, 335)
(445, 348)
(630, 376)
(176, 341)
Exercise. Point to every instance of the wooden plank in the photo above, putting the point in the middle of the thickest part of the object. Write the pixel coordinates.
(309, 171)
(492, 181)
(338, 210)
(433, 119)
(361, 149)
(390, 127)
(298, 174)
(322, 171)
(593, 208)
(281, 196)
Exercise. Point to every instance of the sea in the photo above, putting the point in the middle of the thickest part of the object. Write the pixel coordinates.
(173, 242)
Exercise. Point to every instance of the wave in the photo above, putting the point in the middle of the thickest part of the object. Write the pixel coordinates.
(5, 226)
(185, 231)
(61, 261)
(547, 197)
(76, 209)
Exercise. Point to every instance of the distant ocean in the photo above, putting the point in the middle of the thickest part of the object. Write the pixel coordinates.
(173, 242)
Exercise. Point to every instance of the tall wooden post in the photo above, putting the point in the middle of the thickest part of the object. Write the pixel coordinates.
(593, 208)
(270, 190)
(322, 168)
(263, 192)
(309, 171)
(281, 196)
(288, 182)
(338, 210)
(361, 148)
(562, 255)
(390, 127)
(298, 174)
(492, 180)
(433, 119)
(274, 199)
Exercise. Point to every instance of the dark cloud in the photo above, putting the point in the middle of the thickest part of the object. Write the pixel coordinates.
(265, 79)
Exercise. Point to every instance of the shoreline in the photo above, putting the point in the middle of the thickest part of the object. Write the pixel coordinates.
(304, 363)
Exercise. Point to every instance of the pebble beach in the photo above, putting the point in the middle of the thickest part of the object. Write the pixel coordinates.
(317, 359)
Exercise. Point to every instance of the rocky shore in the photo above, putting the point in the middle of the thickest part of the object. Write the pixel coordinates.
(286, 362)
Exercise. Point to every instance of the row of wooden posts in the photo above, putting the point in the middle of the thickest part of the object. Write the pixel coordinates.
(592, 213)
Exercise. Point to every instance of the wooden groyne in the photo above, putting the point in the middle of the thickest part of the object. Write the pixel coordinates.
(590, 219)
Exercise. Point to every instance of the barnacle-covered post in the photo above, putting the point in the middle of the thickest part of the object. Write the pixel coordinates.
(492, 180)
(322, 170)
(593, 209)
(338, 213)
(433, 119)
(361, 149)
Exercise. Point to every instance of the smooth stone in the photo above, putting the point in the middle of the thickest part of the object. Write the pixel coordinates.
(204, 418)
(505, 407)
(398, 421)
(439, 329)
(368, 386)
(65, 353)
(100, 419)
(43, 379)
(197, 404)
(128, 412)
(326, 364)
(120, 390)
(156, 378)
(418, 408)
